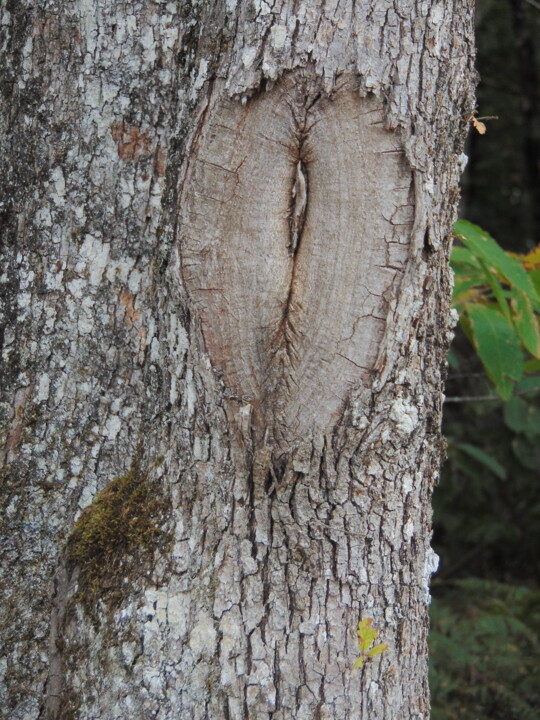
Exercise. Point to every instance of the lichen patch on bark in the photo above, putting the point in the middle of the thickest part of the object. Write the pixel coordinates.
(294, 232)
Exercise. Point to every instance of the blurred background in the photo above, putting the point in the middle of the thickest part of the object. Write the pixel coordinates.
(485, 614)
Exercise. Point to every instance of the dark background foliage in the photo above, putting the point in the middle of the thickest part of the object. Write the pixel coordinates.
(501, 188)
(485, 639)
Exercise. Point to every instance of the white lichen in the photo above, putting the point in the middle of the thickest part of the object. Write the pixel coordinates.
(454, 317)
(278, 36)
(462, 162)
(248, 56)
(43, 387)
(408, 529)
(112, 427)
(203, 637)
(431, 565)
(405, 416)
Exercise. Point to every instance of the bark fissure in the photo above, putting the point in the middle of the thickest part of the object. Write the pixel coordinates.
(299, 206)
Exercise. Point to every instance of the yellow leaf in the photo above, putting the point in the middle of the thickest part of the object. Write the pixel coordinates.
(378, 649)
(364, 624)
(531, 261)
(479, 126)
(367, 638)
(358, 663)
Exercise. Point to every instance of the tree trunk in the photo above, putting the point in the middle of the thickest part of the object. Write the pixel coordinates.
(226, 311)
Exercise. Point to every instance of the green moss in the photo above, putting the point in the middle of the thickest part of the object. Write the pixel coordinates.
(115, 538)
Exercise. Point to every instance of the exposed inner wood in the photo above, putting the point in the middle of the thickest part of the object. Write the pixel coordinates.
(298, 205)
(294, 232)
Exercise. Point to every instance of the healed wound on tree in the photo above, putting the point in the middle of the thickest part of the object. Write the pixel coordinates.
(295, 218)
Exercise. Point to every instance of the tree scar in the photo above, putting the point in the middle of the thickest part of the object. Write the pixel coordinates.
(295, 216)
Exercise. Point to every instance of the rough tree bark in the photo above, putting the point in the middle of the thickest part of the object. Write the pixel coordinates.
(226, 311)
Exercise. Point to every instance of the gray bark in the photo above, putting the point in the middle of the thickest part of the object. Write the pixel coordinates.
(226, 310)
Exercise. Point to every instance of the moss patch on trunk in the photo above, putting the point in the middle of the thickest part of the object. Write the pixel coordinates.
(115, 538)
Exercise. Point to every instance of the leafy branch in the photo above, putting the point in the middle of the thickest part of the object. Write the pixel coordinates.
(497, 295)
(366, 637)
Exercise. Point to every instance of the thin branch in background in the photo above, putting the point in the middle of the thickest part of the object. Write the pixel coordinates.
(472, 398)
(485, 398)
(533, 3)
(455, 376)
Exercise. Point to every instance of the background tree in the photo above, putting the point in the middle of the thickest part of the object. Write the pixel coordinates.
(203, 207)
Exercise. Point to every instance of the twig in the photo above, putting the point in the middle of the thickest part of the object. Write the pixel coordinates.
(454, 376)
(484, 398)
(471, 398)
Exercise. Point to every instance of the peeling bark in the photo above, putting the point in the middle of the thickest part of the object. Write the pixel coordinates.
(225, 237)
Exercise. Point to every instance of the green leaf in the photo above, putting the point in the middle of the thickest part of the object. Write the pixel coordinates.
(463, 256)
(464, 465)
(465, 324)
(526, 452)
(533, 420)
(378, 649)
(531, 366)
(526, 322)
(515, 414)
(498, 347)
(358, 663)
(483, 458)
(462, 285)
(535, 278)
(452, 360)
(485, 248)
(530, 383)
(497, 290)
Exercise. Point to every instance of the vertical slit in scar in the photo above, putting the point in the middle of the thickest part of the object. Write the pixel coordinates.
(298, 206)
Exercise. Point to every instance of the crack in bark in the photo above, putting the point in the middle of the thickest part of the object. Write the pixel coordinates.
(54, 683)
(299, 203)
